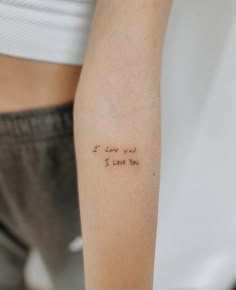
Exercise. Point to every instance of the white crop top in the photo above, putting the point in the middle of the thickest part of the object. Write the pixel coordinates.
(46, 30)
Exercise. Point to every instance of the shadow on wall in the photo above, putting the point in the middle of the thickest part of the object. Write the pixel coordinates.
(195, 40)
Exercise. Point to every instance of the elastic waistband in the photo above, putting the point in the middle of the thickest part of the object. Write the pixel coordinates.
(37, 123)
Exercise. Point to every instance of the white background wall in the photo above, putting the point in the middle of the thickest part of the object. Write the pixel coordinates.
(196, 243)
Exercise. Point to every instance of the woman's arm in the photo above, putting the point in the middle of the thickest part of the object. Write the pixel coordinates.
(117, 139)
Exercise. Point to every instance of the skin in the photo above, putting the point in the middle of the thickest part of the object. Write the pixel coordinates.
(30, 84)
(117, 107)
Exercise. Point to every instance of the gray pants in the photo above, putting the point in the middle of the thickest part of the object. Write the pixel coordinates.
(38, 196)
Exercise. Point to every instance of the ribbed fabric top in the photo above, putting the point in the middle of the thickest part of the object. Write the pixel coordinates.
(47, 30)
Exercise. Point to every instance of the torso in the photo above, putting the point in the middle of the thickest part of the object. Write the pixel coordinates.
(29, 84)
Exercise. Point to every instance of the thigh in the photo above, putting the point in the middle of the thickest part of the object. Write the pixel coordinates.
(38, 189)
(54, 206)
(50, 213)
(13, 256)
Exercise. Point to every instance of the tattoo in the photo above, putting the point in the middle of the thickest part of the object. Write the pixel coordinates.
(126, 155)
(95, 148)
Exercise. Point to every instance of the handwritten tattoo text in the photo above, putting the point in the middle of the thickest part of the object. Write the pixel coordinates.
(126, 155)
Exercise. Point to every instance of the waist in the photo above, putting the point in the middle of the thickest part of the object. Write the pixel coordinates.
(37, 124)
(29, 84)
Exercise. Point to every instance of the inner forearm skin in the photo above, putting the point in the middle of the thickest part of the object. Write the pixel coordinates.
(117, 139)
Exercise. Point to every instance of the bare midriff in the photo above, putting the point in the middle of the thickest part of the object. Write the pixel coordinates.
(29, 84)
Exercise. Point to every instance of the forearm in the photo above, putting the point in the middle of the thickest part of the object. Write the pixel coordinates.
(117, 108)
